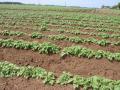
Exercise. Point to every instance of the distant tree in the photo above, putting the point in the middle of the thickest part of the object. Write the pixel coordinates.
(119, 5)
(116, 6)
(103, 6)
(11, 3)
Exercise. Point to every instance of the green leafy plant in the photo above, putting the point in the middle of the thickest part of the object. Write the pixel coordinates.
(86, 52)
(57, 37)
(11, 33)
(9, 70)
(65, 78)
(95, 82)
(37, 35)
(43, 27)
(46, 48)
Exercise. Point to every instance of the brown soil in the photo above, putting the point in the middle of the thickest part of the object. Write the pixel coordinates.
(81, 66)
(28, 84)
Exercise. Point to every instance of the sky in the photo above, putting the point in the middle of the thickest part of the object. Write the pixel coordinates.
(81, 3)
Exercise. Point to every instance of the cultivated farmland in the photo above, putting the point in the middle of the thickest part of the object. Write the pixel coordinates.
(59, 48)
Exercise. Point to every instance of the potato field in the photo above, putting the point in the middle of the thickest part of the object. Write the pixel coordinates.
(59, 48)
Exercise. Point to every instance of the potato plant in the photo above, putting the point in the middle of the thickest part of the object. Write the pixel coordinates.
(11, 33)
(10, 70)
(95, 82)
(46, 47)
(37, 35)
(75, 39)
(80, 51)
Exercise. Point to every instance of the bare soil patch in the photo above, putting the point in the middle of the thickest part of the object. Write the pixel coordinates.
(75, 65)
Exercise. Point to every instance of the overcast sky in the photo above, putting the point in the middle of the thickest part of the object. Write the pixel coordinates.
(82, 3)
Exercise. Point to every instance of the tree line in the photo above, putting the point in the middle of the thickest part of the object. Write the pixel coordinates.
(11, 3)
(116, 6)
(112, 7)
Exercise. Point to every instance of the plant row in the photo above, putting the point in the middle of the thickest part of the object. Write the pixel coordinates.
(63, 37)
(71, 23)
(75, 39)
(44, 27)
(48, 48)
(102, 35)
(10, 17)
(80, 51)
(11, 33)
(96, 83)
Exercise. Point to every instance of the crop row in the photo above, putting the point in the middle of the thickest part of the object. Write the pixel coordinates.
(75, 39)
(11, 33)
(38, 24)
(65, 24)
(55, 17)
(63, 37)
(83, 25)
(80, 51)
(96, 83)
(77, 32)
(81, 20)
(62, 25)
(48, 48)
(44, 27)
(65, 15)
